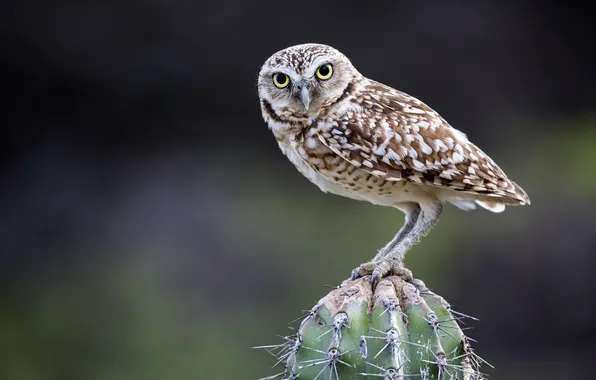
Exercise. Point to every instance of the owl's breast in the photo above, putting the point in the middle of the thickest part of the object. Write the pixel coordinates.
(311, 161)
(333, 174)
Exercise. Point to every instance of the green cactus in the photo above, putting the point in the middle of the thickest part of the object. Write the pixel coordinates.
(400, 330)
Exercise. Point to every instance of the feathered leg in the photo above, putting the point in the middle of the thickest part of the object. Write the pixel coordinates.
(390, 259)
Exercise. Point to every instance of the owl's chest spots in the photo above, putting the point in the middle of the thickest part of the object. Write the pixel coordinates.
(331, 173)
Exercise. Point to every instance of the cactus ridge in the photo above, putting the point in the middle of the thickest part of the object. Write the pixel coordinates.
(400, 330)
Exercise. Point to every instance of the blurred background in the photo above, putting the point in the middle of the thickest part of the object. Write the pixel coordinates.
(150, 227)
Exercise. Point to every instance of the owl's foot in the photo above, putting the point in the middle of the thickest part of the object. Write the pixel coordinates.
(380, 269)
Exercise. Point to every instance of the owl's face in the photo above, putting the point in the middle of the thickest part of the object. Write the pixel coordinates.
(297, 82)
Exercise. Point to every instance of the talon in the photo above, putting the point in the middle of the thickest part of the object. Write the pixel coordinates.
(406, 274)
(362, 270)
(378, 270)
(373, 281)
(382, 269)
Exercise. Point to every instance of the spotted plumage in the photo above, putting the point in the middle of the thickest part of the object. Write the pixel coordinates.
(361, 139)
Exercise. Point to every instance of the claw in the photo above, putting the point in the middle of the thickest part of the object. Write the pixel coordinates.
(404, 273)
(379, 270)
(374, 280)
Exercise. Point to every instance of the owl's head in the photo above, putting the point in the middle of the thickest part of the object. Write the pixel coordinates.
(297, 82)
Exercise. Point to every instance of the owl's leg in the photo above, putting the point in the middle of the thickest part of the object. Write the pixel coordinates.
(390, 261)
(412, 211)
(428, 218)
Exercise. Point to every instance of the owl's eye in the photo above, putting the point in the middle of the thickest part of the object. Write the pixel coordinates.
(325, 71)
(281, 80)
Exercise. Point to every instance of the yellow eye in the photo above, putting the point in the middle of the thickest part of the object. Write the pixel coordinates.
(324, 72)
(281, 80)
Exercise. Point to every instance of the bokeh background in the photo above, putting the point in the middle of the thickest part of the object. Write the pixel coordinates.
(151, 229)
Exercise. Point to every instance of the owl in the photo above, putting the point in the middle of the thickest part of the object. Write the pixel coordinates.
(361, 139)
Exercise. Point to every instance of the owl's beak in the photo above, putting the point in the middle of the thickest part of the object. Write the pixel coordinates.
(305, 96)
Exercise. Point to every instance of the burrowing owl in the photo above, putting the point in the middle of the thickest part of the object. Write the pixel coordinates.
(364, 140)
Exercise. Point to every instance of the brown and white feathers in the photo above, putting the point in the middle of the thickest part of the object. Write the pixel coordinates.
(359, 138)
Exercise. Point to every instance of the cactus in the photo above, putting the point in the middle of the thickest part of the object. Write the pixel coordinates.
(400, 330)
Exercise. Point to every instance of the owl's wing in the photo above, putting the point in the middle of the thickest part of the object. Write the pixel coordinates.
(397, 137)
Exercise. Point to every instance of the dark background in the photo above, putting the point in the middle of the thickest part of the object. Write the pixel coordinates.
(151, 229)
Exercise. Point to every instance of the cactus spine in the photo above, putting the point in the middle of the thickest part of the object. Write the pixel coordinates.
(399, 330)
